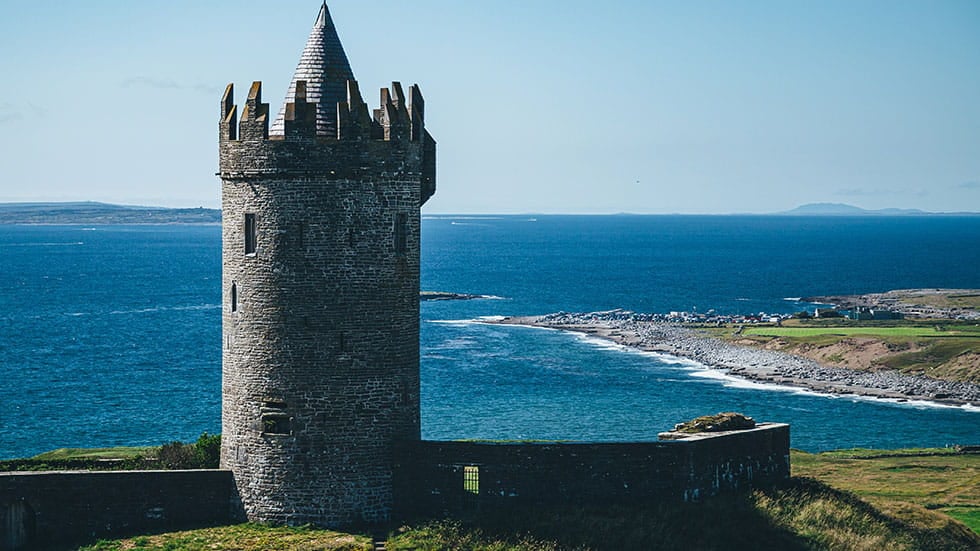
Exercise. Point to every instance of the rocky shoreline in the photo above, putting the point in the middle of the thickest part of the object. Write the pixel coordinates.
(750, 363)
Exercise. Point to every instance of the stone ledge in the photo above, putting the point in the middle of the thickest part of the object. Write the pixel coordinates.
(674, 436)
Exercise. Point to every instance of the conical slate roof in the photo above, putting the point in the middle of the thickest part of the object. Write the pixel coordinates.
(325, 69)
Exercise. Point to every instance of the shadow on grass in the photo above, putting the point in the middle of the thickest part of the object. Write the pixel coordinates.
(723, 523)
(796, 515)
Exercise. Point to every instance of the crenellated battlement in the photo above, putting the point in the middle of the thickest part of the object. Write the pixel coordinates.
(391, 143)
(400, 117)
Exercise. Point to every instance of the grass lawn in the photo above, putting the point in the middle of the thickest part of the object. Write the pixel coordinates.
(848, 331)
(97, 453)
(241, 537)
(906, 483)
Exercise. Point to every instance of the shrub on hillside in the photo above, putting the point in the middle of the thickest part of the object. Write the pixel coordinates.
(176, 455)
(203, 454)
(207, 451)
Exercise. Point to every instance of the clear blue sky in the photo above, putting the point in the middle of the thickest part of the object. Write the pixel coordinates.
(538, 106)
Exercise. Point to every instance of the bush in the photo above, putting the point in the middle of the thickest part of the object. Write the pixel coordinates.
(207, 451)
(203, 454)
(177, 455)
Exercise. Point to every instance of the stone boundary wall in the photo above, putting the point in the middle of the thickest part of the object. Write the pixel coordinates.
(52, 509)
(444, 478)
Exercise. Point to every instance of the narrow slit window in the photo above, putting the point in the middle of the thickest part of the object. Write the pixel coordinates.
(401, 233)
(275, 419)
(250, 233)
(471, 479)
(234, 297)
(273, 423)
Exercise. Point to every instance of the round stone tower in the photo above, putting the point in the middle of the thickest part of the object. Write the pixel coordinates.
(320, 278)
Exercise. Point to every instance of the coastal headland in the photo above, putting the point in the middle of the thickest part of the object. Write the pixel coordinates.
(97, 214)
(963, 304)
(644, 332)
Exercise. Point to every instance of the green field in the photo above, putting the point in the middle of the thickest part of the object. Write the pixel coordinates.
(914, 331)
(939, 349)
(63, 454)
(905, 482)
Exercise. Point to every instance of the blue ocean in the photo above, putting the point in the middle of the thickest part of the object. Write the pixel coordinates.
(110, 335)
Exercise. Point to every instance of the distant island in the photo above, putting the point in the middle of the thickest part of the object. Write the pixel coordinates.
(444, 295)
(90, 212)
(841, 209)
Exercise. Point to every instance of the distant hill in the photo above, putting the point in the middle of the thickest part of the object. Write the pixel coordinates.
(841, 209)
(89, 212)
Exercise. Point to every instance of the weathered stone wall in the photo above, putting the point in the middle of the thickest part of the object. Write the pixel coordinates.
(38, 510)
(321, 310)
(56, 508)
(431, 475)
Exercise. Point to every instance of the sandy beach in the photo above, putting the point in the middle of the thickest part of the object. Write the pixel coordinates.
(750, 363)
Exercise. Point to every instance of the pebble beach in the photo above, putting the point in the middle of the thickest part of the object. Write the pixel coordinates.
(767, 366)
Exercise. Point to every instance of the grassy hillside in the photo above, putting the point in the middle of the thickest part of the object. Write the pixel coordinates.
(851, 499)
(911, 485)
(801, 514)
(939, 349)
